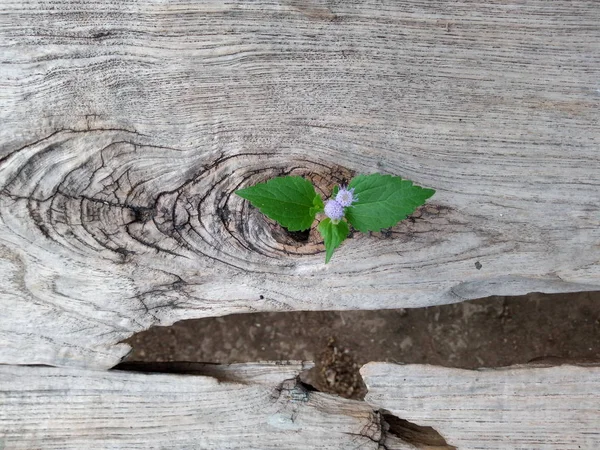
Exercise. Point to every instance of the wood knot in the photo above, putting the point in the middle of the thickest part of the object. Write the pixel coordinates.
(125, 197)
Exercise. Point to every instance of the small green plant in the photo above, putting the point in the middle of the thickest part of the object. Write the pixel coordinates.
(368, 203)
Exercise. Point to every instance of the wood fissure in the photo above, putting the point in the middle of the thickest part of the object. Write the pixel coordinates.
(420, 437)
(245, 406)
(263, 405)
(514, 407)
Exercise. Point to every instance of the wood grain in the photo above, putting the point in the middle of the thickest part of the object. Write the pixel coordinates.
(262, 406)
(127, 126)
(512, 408)
(266, 408)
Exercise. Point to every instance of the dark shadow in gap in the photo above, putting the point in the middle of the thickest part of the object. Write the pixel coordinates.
(491, 332)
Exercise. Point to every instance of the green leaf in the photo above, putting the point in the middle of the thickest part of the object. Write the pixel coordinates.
(333, 235)
(383, 201)
(291, 201)
(318, 205)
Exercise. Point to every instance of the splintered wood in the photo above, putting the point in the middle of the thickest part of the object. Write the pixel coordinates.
(516, 408)
(264, 408)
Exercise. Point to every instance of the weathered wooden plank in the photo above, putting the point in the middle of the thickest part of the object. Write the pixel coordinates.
(512, 408)
(126, 127)
(266, 408)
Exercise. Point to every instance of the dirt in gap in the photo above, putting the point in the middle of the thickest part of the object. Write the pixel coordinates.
(492, 332)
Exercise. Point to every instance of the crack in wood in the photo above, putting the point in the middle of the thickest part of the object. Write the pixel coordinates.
(292, 394)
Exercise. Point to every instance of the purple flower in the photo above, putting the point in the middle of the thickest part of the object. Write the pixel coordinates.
(345, 196)
(334, 210)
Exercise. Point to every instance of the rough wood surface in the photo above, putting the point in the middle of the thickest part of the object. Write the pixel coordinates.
(513, 408)
(266, 408)
(127, 126)
(260, 406)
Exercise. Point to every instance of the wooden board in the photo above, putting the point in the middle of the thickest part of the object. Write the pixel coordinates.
(265, 408)
(262, 405)
(127, 126)
(513, 408)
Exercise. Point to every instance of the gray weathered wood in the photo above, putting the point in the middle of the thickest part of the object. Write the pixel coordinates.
(265, 406)
(512, 408)
(126, 127)
(65, 408)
